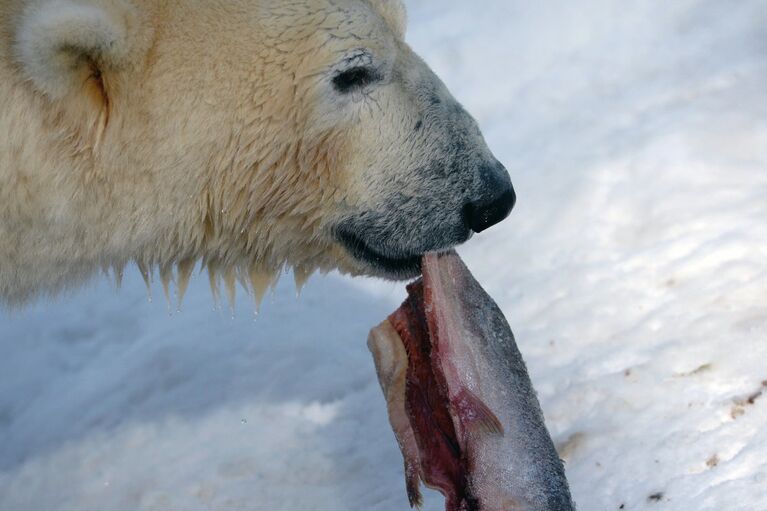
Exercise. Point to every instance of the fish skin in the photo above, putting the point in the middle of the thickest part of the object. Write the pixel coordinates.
(518, 469)
(511, 461)
(391, 366)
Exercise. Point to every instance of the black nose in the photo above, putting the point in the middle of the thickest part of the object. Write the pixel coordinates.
(485, 213)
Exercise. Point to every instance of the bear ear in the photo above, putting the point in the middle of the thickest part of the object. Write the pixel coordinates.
(395, 14)
(70, 46)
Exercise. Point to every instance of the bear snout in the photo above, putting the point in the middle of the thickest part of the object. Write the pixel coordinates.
(496, 199)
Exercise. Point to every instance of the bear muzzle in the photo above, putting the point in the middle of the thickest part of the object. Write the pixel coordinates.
(496, 200)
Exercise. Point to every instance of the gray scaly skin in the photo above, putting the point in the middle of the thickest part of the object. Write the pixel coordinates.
(508, 456)
(518, 469)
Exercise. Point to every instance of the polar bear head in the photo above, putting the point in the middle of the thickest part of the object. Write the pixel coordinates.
(255, 134)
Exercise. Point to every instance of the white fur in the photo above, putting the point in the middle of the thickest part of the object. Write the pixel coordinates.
(395, 14)
(55, 37)
(167, 133)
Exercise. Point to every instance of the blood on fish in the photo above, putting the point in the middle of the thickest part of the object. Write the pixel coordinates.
(447, 362)
(443, 465)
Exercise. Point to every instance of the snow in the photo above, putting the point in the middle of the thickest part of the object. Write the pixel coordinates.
(632, 271)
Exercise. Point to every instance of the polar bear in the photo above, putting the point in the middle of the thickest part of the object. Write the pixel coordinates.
(248, 135)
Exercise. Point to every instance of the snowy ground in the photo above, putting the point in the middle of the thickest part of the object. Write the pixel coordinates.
(634, 272)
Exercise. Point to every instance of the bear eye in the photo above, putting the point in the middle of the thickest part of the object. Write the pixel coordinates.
(355, 79)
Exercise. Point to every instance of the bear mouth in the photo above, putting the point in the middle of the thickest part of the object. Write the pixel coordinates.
(400, 267)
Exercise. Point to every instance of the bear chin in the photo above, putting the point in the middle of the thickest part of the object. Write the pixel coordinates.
(378, 264)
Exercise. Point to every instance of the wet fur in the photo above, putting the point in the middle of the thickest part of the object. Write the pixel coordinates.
(169, 133)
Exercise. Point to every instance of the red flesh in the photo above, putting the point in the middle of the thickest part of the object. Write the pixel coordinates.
(443, 466)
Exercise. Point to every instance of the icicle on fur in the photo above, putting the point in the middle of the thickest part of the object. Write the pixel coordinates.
(166, 276)
(184, 271)
(213, 280)
(261, 281)
(146, 274)
(301, 276)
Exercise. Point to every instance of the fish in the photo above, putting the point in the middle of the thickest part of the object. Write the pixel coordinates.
(460, 400)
